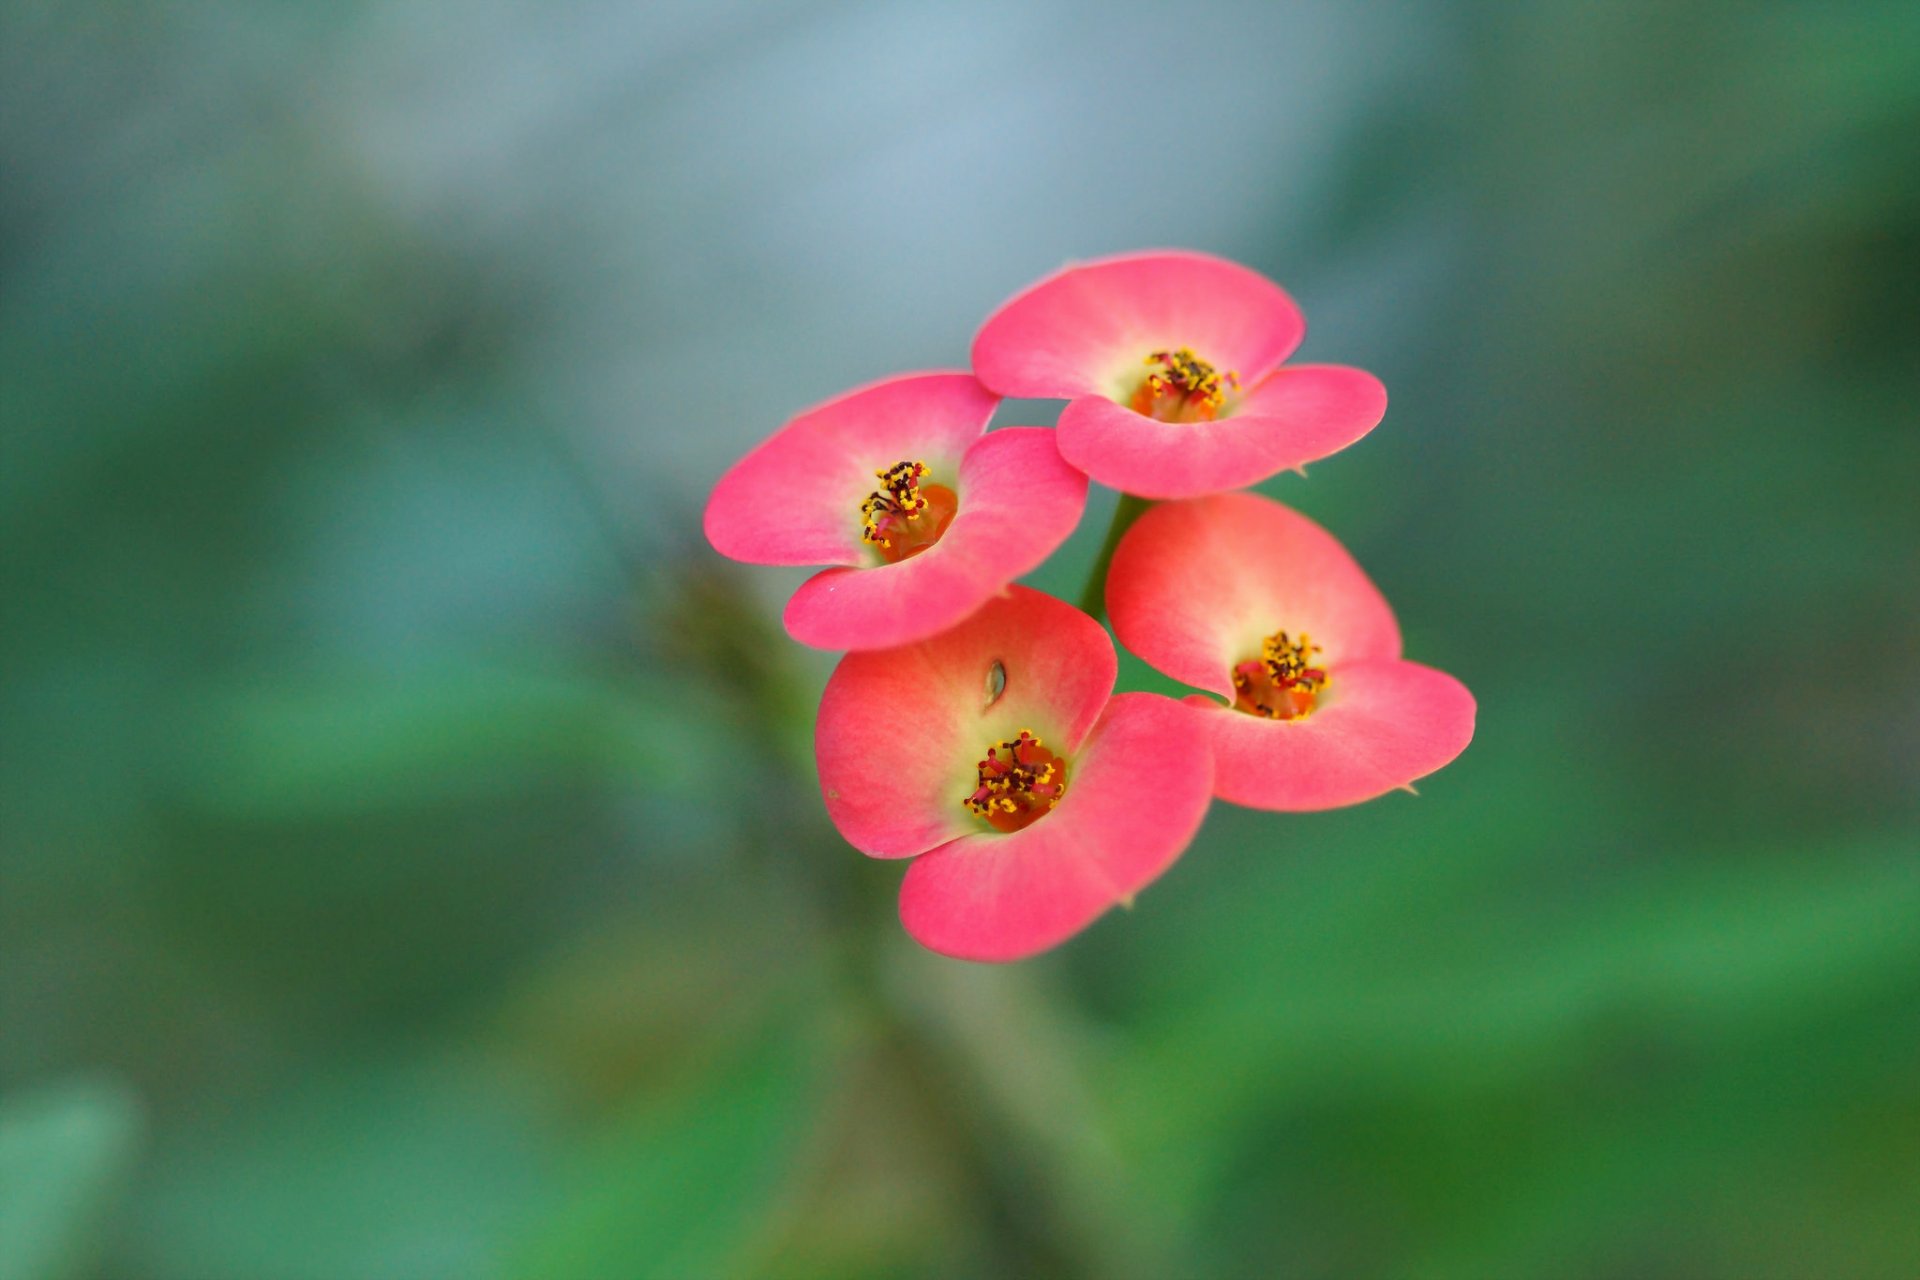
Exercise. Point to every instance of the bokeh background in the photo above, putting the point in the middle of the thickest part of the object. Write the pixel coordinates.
(410, 860)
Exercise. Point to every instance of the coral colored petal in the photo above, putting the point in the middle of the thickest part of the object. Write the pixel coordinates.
(1018, 501)
(1379, 726)
(796, 498)
(1196, 586)
(1136, 794)
(1301, 413)
(1295, 416)
(1326, 406)
(1088, 329)
(900, 730)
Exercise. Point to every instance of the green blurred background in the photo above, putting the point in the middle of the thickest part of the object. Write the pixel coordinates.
(410, 860)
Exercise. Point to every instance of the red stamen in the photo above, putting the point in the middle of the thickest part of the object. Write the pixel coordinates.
(1184, 388)
(1019, 787)
(905, 517)
(1279, 685)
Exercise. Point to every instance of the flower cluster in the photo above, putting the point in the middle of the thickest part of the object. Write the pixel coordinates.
(973, 725)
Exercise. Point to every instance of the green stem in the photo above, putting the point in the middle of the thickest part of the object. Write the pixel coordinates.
(1093, 596)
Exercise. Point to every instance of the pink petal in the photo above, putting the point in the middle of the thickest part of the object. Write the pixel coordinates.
(1304, 412)
(796, 498)
(900, 730)
(1379, 725)
(1196, 586)
(1018, 501)
(1136, 793)
(1088, 329)
(1296, 415)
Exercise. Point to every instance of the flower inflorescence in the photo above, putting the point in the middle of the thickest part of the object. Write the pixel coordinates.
(937, 644)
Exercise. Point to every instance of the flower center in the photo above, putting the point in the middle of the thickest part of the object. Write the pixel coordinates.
(1019, 782)
(905, 516)
(1183, 388)
(1280, 684)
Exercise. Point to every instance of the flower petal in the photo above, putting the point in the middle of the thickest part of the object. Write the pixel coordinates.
(1196, 586)
(900, 730)
(1087, 329)
(1019, 500)
(796, 498)
(1294, 416)
(1137, 792)
(1379, 725)
(1303, 412)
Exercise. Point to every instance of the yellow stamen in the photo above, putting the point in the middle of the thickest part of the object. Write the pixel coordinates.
(907, 514)
(1282, 683)
(1183, 388)
(1018, 783)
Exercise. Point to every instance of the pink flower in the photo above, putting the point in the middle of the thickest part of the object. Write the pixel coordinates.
(1172, 363)
(1253, 602)
(926, 517)
(1033, 800)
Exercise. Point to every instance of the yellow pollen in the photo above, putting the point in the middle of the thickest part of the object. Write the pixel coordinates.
(1183, 387)
(1282, 683)
(899, 494)
(1019, 782)
(907, 514)
(1286, 659)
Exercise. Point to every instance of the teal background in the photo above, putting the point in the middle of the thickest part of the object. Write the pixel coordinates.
(410, 858)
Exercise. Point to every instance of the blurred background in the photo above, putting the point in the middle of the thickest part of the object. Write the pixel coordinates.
(411, 864)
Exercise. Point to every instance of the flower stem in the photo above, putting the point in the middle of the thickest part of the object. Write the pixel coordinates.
(1093, 596)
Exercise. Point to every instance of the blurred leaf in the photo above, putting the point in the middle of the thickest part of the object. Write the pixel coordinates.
(647, 999)
(349, 742)
(1724, 948)
(65, 1154)
(380, 1170)
(674, 1188)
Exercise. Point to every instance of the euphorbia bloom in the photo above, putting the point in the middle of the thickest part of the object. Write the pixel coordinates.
(994, 752)
(894, 483)
(1172, 363)
(1253, 602)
